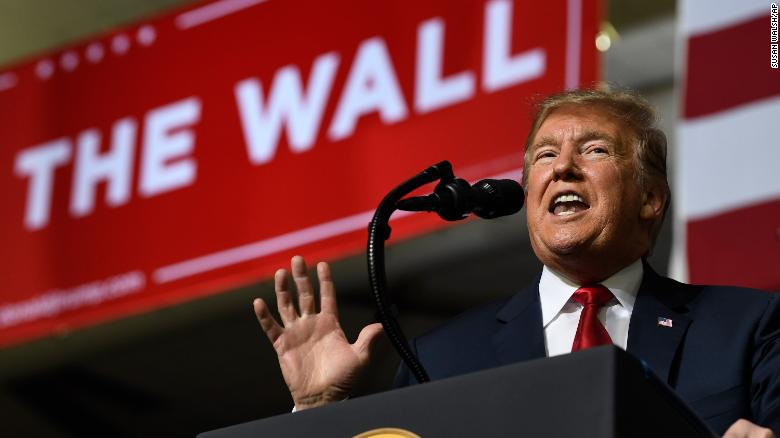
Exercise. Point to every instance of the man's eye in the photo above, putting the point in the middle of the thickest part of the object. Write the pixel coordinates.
(598, 150)
(545, 154)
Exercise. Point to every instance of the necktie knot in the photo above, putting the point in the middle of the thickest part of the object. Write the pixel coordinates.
(596, 295)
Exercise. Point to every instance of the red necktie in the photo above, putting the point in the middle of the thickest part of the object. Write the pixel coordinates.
(590, 331)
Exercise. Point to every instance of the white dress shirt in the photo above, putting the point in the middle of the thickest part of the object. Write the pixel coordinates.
(561, 314)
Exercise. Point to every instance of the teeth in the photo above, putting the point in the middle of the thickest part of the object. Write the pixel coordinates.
(564, 205)
(568, 198)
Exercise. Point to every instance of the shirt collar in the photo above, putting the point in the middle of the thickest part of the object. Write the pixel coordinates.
(555, 290)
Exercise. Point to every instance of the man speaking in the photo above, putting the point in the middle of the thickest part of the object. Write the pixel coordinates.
(596, 195)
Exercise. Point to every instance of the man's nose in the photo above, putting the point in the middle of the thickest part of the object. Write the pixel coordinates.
(565, 166)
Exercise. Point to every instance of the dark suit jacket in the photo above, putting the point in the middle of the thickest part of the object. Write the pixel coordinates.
(722, 353)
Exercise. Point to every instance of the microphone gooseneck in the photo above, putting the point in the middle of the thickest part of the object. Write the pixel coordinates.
(452, 199)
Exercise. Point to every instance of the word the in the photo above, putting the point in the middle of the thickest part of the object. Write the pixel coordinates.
(165, 162)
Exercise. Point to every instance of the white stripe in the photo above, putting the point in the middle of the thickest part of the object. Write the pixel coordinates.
(276, 244)
(701, 16)
(573, 42)
(261, 248)
(678, 260)
(514, 174)
(8, 81)
(729, 160)
(212, 11)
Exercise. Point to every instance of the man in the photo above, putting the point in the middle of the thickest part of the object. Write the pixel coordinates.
(596, 195)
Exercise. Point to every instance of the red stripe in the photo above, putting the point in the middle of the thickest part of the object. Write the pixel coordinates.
(729, 67)
(740, 247)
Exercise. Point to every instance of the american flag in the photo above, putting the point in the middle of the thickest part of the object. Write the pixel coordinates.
(666, 322)
(727, 210)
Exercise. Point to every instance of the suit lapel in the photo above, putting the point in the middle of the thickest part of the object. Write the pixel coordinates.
(652, 339)
(521, 336)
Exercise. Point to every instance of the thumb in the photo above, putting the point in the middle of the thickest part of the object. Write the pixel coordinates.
(366, 339)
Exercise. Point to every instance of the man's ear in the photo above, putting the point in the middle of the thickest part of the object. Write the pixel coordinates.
(653, 202)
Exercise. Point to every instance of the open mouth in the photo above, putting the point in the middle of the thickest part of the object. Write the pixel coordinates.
(567, 204)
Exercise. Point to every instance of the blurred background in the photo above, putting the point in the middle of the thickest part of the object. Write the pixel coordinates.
(194, 359)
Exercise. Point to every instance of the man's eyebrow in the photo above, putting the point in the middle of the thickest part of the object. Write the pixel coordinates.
(596, 135)
(584, 137)
(547, 140)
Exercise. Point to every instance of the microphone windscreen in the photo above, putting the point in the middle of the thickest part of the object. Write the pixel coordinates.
(497, 197)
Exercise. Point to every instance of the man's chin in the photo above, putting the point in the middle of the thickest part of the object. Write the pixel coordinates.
(568, 247)
(560, 253)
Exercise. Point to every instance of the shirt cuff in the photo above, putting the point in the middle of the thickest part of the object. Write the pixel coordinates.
(295, 408)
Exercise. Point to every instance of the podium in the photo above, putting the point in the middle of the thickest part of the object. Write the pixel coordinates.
(602, 392)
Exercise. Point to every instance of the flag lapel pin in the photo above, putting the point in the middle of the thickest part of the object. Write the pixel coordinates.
(664, 322)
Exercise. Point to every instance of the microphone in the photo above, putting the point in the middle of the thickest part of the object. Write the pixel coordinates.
(455, 198)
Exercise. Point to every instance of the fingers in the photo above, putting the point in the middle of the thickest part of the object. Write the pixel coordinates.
(269, 325)
(745, 429)
(284, 300)
(306, 300)
(366, 339)
(327, 289)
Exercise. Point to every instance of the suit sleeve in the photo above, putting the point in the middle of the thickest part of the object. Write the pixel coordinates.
(765, 385)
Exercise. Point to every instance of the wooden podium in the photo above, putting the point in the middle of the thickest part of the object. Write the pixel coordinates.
(602, 392)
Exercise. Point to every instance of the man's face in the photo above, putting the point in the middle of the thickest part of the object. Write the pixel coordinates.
(583, 203)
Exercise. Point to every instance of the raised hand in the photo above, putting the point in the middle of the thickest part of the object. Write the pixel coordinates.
(318, 363)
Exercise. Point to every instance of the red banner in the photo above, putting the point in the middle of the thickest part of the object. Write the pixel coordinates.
(198, 151)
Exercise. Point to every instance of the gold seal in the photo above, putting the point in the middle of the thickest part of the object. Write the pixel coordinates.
(387, 432)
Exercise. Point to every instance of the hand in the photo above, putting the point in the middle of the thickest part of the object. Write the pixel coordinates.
(745, 429)
(319, 365)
